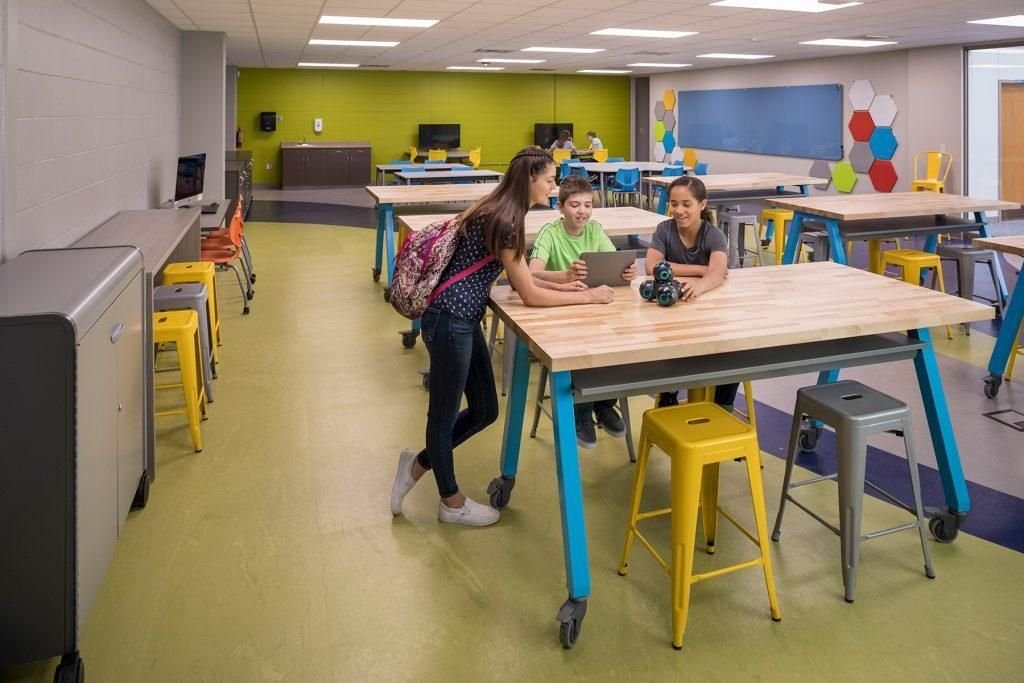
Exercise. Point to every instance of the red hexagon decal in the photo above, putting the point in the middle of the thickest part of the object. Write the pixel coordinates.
(883, 175)
(862, 126)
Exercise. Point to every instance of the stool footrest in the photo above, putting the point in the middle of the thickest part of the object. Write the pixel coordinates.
(891, 498)
(815, 480)
(653, 513)
(891, 530)
(743, 530)
(812, 513)
(647, 544)
(756, 562)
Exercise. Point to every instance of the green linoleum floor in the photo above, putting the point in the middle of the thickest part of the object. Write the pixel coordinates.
(273, 556)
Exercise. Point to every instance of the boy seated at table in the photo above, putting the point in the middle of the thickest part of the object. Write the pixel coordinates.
(595, 142)
(556, 258)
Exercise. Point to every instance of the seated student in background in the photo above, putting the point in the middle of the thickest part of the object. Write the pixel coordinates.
(697, 251)
(563, 142)
(595, 142)
(556, 259)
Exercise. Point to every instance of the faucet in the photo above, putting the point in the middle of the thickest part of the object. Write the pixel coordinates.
(304, 140)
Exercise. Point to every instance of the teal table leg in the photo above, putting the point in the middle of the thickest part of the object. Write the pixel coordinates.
(389, 240)
(1006, 341)
(500, 488)
(379, 243)
(796, 226)
(835, 240)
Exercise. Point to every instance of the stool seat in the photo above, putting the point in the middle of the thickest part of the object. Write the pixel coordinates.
(911, 262)
(850, 404)
(696, 429)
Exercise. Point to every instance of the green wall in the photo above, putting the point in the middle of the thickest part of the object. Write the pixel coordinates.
(496, 111)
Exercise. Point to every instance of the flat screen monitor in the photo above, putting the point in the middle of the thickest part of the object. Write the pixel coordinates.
(439, 136)
(546, 133)
(188, 187)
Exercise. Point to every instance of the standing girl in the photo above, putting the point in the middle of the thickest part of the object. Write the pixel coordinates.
(459, 362)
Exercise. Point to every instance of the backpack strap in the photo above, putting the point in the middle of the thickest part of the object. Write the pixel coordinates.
(461, 275)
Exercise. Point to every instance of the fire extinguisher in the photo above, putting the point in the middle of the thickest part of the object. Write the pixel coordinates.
(238, 138)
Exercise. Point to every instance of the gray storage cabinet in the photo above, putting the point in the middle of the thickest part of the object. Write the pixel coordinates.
(71, 439)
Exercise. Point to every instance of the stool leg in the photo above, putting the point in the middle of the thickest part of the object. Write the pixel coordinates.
(709, 504)
(761, 523)
(540, 400)
(915, 483)
(624, 407)
(794, 436)
(634, 501)
(995, 285)
(942, 288)
(187, 362)
(875, 264)
(686, 485)
(851, 454)
(200, 382)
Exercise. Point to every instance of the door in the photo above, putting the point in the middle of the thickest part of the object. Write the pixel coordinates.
(1011, 141)
(642, 119)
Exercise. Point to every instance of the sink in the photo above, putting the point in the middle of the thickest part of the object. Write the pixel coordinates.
(304, 144)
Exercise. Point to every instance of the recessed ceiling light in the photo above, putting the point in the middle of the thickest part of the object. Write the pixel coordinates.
(997, 66)
(475, 68)
(512, 61)
(641, 33)
(579, 50)
(784, 5)
(378, 21)
(354, 43)
(603, 71)
(658, 64)
(730, 55)
(846, 42)
(328, 65)
(1015, 20)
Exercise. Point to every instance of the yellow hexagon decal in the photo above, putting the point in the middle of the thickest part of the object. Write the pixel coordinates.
(669, 98)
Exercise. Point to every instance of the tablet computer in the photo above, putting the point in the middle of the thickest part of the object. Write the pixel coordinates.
(605, 267)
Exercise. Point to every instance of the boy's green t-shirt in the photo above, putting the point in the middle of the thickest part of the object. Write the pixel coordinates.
(558, 249)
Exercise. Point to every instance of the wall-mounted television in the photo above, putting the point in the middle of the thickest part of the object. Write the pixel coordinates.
(188, 187)
(546, 133)
(439, 136)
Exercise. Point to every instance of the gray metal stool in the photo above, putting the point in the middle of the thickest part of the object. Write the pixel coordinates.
(732, 224)
(966, 257)
(190, 297)
(817, 240)
(855, 411)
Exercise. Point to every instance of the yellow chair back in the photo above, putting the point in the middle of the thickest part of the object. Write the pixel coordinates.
(561, 155)
(936, 165)
(413, 153)
(600, 155)
(437, 155)
(474, 157)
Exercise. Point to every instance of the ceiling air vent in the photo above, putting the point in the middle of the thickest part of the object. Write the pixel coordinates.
(536, 69)
(376, 66)
(494, 52)
(651, 53)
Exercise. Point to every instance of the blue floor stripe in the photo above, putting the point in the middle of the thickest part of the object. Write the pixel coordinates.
(994, 516)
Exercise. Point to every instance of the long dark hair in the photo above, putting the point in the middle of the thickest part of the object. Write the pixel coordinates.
(506, 206)
(697, 189)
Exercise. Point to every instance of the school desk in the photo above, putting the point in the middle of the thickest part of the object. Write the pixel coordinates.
(732, 188)
(634, 347)
(383, 169)
(872, 217)
(1007, 340)
(425, 176)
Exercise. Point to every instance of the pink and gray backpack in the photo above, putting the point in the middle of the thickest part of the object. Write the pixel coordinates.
(419, 264)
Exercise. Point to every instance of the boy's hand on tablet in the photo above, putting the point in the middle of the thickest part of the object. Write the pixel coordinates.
(578, 270)
(629, 273)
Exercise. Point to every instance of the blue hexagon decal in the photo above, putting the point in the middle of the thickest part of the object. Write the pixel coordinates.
(882, 142)
(669, 141)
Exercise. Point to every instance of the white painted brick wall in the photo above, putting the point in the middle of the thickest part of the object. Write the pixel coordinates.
(97, 116)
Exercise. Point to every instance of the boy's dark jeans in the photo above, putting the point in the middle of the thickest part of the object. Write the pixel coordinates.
(459, 364)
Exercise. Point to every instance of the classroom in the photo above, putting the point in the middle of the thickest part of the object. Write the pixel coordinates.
(779, 438)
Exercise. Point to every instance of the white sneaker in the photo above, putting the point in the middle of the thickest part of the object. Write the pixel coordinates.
(403, 480)
(470, 514)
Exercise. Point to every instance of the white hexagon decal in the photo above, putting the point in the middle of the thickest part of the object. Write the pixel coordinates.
(861, 95)
(883, 110)
(677, 155)
(659, 152)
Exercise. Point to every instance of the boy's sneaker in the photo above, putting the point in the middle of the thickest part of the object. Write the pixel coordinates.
(470, 514)
(586, 435)
(668, 398)
(403, 480)
(609, 419)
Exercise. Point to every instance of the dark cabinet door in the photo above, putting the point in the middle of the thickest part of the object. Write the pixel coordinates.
(337, 167)
(293, 167)
(316, 166)
(359, 166)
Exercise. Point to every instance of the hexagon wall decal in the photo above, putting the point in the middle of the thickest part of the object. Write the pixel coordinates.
(659, 110)
(861, 94)
(883, 142)
(689, 157)
(670, 121)
(669, 141)
(860, 157)
(659, 130)
(820, 169)
(659, 152)
(883, 175)
(861, 126)
(883, 110)
(669, 98)
(844, 176)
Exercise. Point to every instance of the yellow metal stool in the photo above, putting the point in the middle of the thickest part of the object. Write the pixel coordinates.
(911, 262)
(205, 273)
(698, 437)
(778, 218)
(182, 328)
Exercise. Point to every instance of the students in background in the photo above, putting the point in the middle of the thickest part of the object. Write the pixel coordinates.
(556, 258)
(697, 251)
(563, 142)
(595, 142)
(459, 363)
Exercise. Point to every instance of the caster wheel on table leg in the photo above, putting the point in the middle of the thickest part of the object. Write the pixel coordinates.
(426, 379)
(245, 311)
(944, 530)
(409, 338)
(992, 383)
(376, 274)
(808, 439)
(570, 618)
(252, 279)
(249, 295)
(387, 294)
(500, 490)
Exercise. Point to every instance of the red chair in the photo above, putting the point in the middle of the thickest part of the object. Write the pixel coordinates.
(215, 249)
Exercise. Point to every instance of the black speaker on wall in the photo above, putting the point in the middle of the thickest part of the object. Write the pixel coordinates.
(268, 121)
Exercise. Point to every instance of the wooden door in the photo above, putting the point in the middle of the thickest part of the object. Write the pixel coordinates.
(1011, 141)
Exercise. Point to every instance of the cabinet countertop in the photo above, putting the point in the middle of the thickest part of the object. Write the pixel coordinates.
(325, 145)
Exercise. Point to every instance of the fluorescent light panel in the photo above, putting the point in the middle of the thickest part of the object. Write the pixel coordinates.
(730, 55)
(997, 66)
(1014, 20)
(603, 71)
(354, 43)
(378, 21)
(784, 5)
(577, 50)
(512, 61)
(475, 68)
(659, 65)
(847, 42)
(328, 65)
(642, 33)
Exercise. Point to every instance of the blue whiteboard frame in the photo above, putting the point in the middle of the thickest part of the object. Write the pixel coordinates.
(803, 121)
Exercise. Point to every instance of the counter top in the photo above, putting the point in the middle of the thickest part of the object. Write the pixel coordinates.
(324, 145)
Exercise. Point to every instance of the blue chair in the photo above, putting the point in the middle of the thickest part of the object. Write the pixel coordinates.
(668, 171)
(700, 168)
(616, 160)
(434, 161)
(626, 182)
